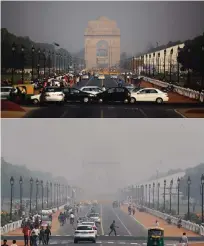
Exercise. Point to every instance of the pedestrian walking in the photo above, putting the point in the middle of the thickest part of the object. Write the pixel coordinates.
(34, 235)
(42, 236)
(112, 227)
(26, 231)
(47, 235)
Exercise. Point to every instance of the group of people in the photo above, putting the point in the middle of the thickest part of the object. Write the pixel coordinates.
(131, 209)
(35, 234)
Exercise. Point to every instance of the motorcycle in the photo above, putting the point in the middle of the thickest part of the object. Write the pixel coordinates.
(168, 221)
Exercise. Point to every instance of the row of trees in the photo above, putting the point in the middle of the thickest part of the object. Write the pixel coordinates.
(8, 61)
(8, 170)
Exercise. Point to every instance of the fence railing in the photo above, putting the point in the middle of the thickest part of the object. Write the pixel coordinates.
(178, 89)
(185, 224)
(17, 224)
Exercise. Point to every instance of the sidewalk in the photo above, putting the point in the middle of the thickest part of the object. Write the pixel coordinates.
(147, 220)
(55, 226)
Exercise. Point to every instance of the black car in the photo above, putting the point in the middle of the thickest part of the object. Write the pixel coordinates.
(114, 94)
(75, 95)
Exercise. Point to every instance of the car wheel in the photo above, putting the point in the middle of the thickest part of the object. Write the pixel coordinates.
(94, 241)
(35, 101)
(132, 100)
(100, 100)
(86, 100)
(159, 100)
(75, 241)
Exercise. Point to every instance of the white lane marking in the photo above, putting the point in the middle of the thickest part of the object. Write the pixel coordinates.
(144, 243)
(143, 113)
(183, 116)
(89, 81)
(99, 242)
(122, 243)
(133, 243)
(57, 235)
(102, 230)
(110, 242)
(64, 242)
(139, 223)
(122, 223)
(53, 242)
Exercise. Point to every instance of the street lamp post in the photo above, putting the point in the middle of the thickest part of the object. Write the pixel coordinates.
(49, 61)
(133, 64)
(44, 59)
(31, 193)
(13, 57)
(11, 205)
(21, 194)
(171, 53)
(33, 50)
(36, 200)
(149, 64)
(38, 66)
(164, 195)
(178, 183)
(42, 193)
(178, 66)
(188, 74)
(158, 63)
(22, 57)
(146, 194)
(164, 64)
(47, 185)
(50, 194)
(189, 183)
(153, 193)
(53, 62)
(153, 63)
(202, 189)
(201, 64)
(158, 191)
(170, 193)
(149, 194)
(55, 185)
(57, 195)
(146, 66)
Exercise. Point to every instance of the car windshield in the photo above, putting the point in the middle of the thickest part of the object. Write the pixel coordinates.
(155, 233)
(84, 228)
(88, 223)
(57, 89)
(94, 215)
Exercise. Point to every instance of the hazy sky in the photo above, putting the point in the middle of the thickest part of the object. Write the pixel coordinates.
(93, 153)
(141, 23)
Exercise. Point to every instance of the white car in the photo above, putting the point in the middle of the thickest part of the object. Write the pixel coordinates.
(5, 91)
(149, 95)
(35, 99)
(84, 233)
(101, 76)
(113, 76)
(85, 76)
(52, 94)
(95, 217)
(91, 89)
(90, 223)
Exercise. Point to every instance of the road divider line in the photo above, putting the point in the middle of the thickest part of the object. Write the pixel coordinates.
(122, 223)
(102, 230)
(144, 227)
(92, 77)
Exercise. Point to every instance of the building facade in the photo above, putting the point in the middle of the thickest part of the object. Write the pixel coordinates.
(102, 43)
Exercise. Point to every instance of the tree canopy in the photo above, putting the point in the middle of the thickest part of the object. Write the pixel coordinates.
(8, 61)
(8, 170)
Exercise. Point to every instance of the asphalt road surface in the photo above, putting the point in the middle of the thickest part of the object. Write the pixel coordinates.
(78, 110)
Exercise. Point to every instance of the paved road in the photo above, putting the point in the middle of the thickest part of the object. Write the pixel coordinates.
(78, 110)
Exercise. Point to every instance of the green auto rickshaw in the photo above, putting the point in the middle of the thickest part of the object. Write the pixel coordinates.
(155, 236)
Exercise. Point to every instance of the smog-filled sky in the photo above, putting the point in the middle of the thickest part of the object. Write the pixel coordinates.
(141, 23)
(101, 155)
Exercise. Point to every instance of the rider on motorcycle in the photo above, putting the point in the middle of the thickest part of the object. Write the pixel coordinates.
(72, 218)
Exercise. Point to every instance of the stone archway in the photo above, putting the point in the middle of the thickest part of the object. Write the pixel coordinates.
(102, 43)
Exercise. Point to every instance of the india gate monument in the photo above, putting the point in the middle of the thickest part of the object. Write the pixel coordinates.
(102, 43)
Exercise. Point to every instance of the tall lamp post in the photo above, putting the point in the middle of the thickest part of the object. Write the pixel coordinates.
(178, 185)
(13, 57)
(32, 73)
(149, 194)
(171, 53)
(42, 193)
(153, 193)
(50, 194)
(47, 185)
(44, 60)
(57, 195)
(164, 195)
(153, 63)
(202, 61)
(170, 193)
(31, 193)
(49, 63)
(11, 205)
(178, 66)
(202, 189)
(36, 199)
(22, 68)
(146, 194)
(164, 64)
(188, 73)
(55, 186)
(158, 63)
(146, 66)
(149, 64)
(189, 183)
(158, 192)
(21, 194)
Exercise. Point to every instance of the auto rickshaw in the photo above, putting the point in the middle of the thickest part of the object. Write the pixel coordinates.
(22, 93)
(155, 236)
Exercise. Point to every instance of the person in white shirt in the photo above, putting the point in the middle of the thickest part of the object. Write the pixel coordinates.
(157, 223)
(34, 234)
(184, 239)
